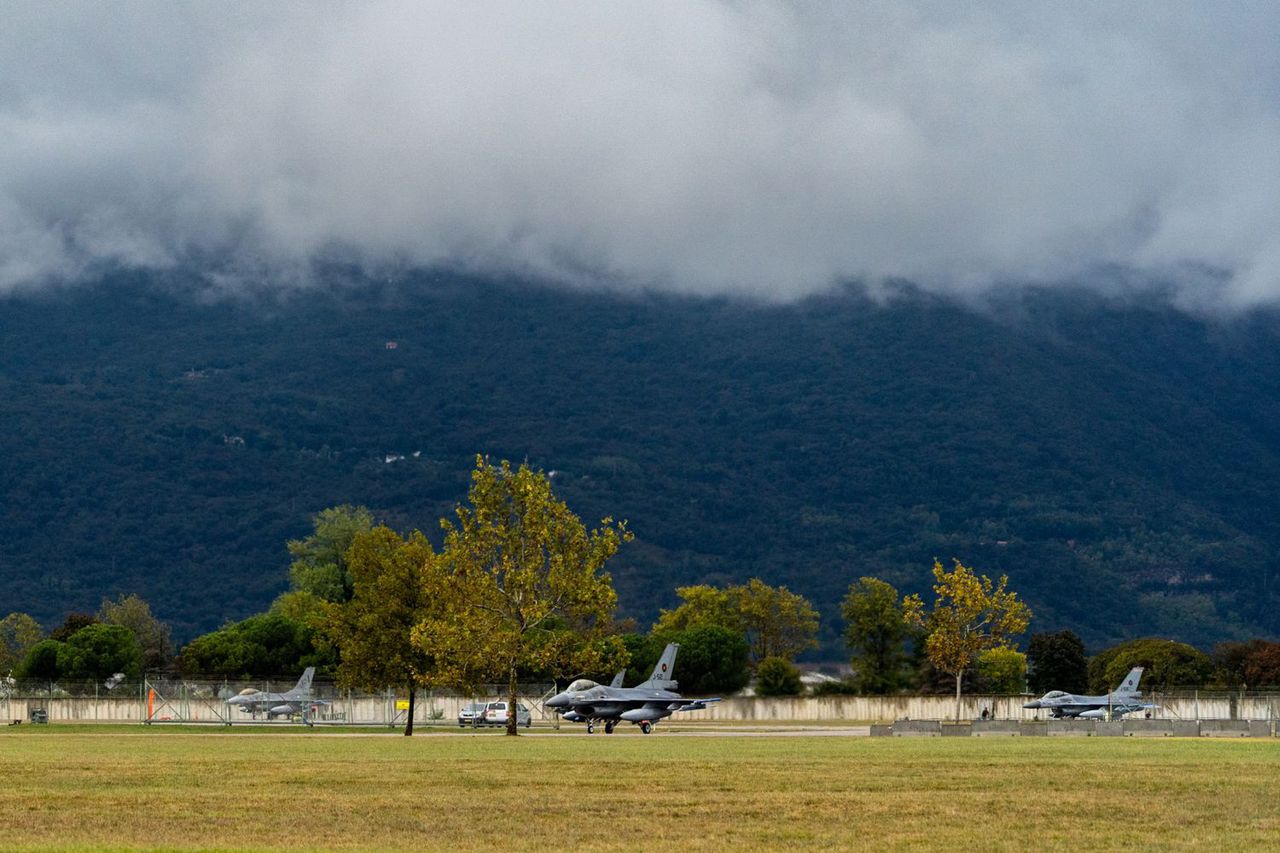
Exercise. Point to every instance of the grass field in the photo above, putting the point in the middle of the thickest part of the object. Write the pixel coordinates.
(130, 788)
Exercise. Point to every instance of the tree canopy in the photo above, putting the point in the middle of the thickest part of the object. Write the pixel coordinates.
(320, 561)
(268, 645)
(1167, 664)
(1057, 662)
(876, 632)
(130, 611)
(394, 588)
(775, 621)
(18, 633)
(970, 614)
(516, 561)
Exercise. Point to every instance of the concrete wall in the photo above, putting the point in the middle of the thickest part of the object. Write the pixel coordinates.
(816, 709)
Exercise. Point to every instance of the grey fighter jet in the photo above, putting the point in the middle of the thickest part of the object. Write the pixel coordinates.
(295, 701)
(584, 701)
(1125, 699)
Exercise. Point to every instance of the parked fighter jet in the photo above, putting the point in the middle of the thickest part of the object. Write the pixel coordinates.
(1123, 700)
(295, 701)
(643, 705)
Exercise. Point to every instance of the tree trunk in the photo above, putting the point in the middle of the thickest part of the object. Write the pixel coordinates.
(408, 726)
(513, 718)
(959, 675)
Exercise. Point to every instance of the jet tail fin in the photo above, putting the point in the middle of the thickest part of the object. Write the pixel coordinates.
(661, 679)
(1130, 683)
(304, 683)
(617, 679)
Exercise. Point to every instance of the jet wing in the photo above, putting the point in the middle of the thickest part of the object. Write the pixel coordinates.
(697, 704)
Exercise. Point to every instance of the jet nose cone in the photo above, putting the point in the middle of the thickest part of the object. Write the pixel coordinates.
(558, 701)
(1035, 704)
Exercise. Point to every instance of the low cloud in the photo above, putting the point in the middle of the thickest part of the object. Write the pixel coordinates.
(764, 149)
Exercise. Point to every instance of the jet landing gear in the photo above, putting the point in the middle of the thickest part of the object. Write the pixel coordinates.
(591, 728)
(646, 726)
(608, 727)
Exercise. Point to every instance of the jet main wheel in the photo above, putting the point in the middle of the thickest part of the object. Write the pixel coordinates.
(646, 727)
(591, 728)
(608, 728)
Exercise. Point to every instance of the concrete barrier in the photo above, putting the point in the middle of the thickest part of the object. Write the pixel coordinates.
(1147, 728)
(1108, 728)
(1186, 728)
(1070, 728)
(956, 730)
(989, 728)
(917, 728)
(881, 730)
(1224, 728)
(1033, 729)
(1259, 728)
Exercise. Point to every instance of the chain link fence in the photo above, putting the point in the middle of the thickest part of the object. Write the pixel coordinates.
(173, 699)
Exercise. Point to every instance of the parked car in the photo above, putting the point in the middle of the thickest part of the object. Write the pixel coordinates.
(495, 714)
(471, 715)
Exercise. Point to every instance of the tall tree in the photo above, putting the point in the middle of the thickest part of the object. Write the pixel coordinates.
(970, 614)
(516, 559)
(876, 632)
(319, 561)
(394, 585)
(1057, 662)
(775, 621)
(153, 635)
(1168, 664)
(712, 659)
(778, 623)
(18, 633)
(98, 651)
(72, 625)
(1001, 670)
(701, 605)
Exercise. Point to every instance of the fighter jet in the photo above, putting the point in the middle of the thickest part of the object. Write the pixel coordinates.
(1125, 699)
(642, 705)
(295, 701)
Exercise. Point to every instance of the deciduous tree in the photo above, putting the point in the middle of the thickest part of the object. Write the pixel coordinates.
(876, 632)
(394, 587)
(701, 605)
(319, 561)
(778, 622)
(777, 677)
(18, 633)
(970, 614)
(1001, 670)
(516, 559)
(153, 635)
(1057, 662)
(774, 620)
(99, 651)
(1167, 664)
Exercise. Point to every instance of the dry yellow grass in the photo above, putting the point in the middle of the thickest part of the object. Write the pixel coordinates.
(134, 788)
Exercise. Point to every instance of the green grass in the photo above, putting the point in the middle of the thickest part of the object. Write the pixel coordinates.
(135, 787)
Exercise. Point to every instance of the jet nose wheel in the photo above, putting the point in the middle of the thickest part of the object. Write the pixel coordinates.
(591, 728)
(646, 727)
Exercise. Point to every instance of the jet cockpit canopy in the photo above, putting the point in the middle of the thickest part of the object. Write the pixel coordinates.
(1055, 694)
(581, 685)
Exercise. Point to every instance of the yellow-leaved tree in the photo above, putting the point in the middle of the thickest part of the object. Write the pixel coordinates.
(524, 586)
(970, 614)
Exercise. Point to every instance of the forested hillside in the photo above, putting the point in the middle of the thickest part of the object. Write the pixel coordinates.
(1117, 460)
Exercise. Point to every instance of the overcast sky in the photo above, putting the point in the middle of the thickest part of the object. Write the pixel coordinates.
(759, 148)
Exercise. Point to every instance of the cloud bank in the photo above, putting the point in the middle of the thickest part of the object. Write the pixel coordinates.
(764, 149)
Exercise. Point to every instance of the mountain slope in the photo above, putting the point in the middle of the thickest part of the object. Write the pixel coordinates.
(1115, 459)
